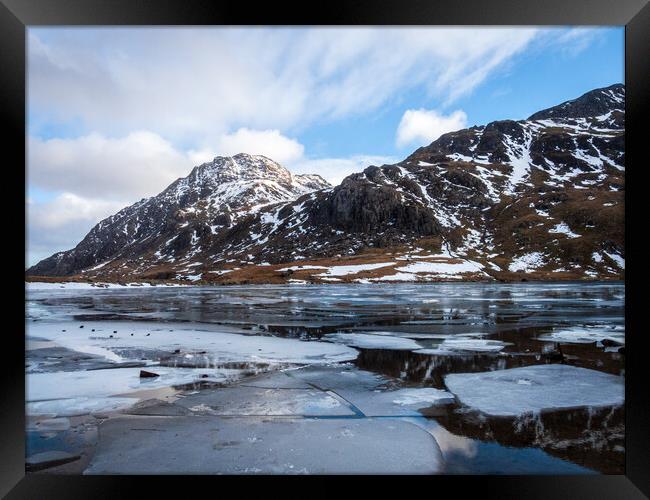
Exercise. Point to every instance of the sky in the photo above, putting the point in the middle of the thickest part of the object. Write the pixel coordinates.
(117, 114)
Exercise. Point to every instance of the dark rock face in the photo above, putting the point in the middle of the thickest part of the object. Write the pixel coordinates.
(361, 204)
(550, 187)
(594, 103)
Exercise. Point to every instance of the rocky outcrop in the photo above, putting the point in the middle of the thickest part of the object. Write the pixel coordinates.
(595, 103)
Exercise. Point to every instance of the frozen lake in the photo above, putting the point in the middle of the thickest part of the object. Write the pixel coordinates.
(499, 378)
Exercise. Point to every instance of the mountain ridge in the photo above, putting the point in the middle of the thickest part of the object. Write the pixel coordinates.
(541, 198)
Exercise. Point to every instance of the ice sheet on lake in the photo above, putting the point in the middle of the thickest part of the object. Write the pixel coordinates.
(469, 344)
(224, 347)
(83, 391)
(517, 391)
(407, 341)
(421, 397)
(463, 343)
(78, 406)
(394, 403)
(276, 380)
(329, 391)
(585, 335)
(370, 394)
(419, 335)
(370, 341)
(266, 445)
(338, 377)
(247, 401)
(110, 382)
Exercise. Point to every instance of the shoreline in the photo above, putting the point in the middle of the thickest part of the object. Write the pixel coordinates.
(179, 284)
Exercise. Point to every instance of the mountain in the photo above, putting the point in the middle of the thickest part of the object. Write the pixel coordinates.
(541, 198)
(191, 215)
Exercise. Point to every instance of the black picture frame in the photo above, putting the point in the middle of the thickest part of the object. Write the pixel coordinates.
(16, 15)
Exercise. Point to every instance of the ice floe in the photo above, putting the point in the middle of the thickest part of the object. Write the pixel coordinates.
(420, 397)
(411, 402)
(245, 400)
(370, 394)
(114, 381)
(78, 406)
(219, 345)
(586, 335)
(517, 391)
(264, 445)
(371, 341)
(337, 378)
(450, 345)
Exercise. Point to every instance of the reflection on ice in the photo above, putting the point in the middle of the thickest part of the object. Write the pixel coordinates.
(590, 437)
(479, 454)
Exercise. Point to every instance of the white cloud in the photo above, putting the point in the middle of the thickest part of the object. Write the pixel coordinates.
(137, 165)
(201, 156)
(140, 164)
(270, 143)
(421, 126)
(67, 208)
(193, 84)
(162, 100)
(93, 177)
(59, 224)
(334, 170)
(575, 40)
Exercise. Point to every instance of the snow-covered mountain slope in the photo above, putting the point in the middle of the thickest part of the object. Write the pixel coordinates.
(191, 215)
(541, 198)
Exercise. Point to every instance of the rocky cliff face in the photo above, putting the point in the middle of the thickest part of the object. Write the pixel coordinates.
(542, 196)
